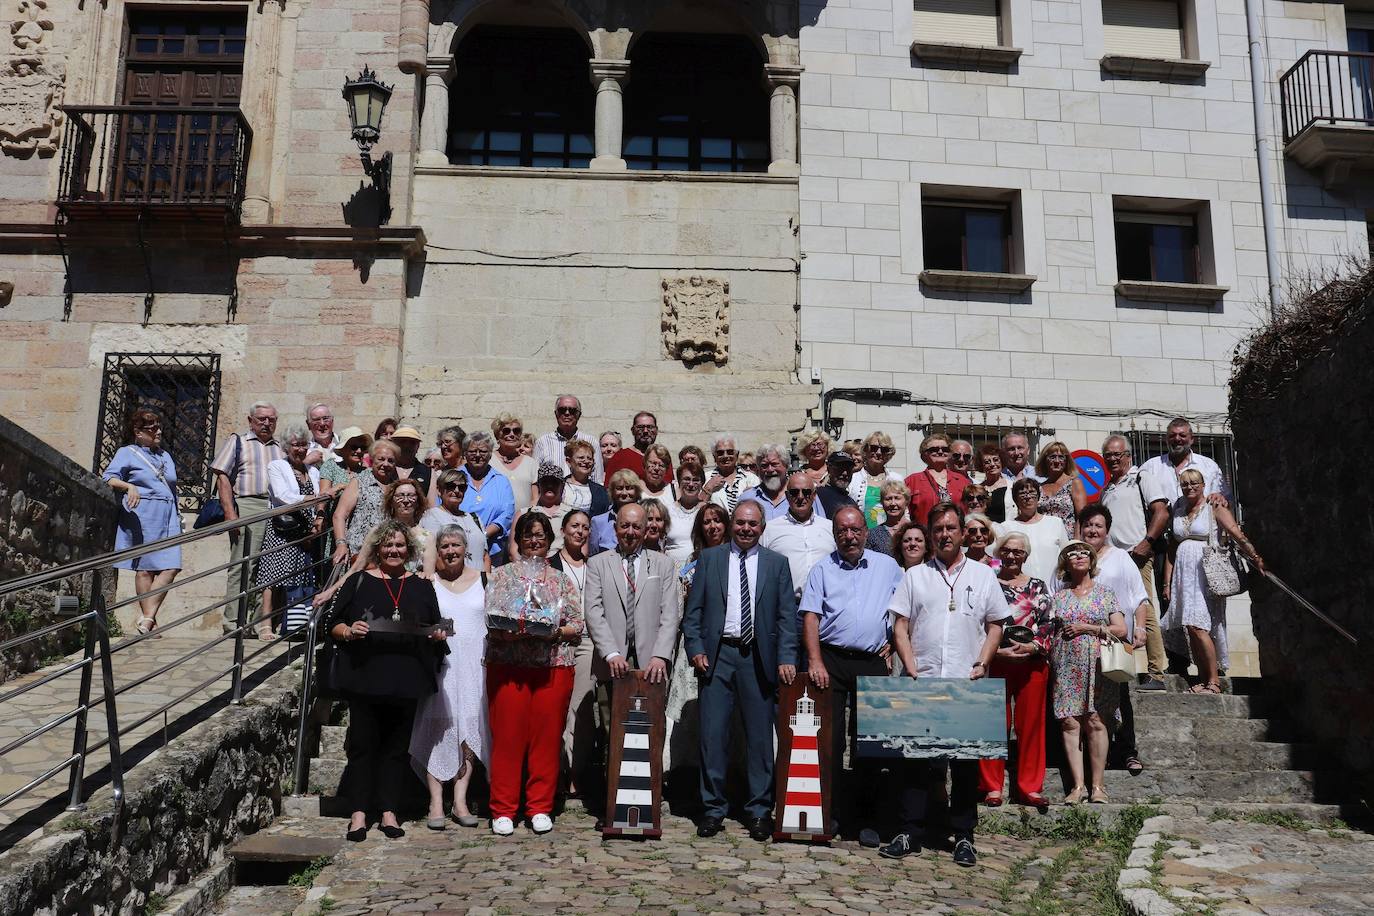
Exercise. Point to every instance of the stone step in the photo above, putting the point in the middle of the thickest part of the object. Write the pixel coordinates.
(332, 741)
(1211, 729)
(325, 774)
(1160, 784)
(1223, 755)
(284, 847)
(1188, 705)
(1246, 686)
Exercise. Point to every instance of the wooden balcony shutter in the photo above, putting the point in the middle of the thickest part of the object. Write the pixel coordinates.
(964, 22)
(1142, 28)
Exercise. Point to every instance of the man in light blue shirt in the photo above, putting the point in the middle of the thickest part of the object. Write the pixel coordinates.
(845, 635)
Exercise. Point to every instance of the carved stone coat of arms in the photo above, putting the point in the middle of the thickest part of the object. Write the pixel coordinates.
(696, 319)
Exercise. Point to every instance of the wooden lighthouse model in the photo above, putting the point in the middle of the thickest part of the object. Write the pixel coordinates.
(803, 766)
(636, 765)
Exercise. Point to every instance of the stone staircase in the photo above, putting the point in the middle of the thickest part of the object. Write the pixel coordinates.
(1213, 750)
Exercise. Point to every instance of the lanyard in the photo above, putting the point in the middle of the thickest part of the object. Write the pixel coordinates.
(948, 584)
(396, 597)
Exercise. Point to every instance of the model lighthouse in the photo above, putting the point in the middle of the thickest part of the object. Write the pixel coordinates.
(634, 796)
(801, 811)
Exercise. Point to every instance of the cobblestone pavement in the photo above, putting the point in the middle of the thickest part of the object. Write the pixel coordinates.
(573, 871)
(44, 704)
(1260, 864)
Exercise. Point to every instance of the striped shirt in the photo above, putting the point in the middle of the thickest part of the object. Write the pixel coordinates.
(249, 475)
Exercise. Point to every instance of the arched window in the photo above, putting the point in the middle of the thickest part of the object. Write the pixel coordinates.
(696, 103)
(521, 97)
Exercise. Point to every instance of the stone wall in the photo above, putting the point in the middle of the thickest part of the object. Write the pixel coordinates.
(51, 512)
(1308, 511)
(182, 809)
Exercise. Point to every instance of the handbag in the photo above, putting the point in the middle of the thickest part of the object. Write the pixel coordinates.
(1118, 660)
(292, 526)
(1223, 572)
(212, 511)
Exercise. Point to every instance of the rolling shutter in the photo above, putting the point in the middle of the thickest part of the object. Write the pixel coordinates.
(1142, 28)
(965, 22)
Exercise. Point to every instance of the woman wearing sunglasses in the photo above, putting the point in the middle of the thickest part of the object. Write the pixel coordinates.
(866, 486)
(516, 465)
(938, 483)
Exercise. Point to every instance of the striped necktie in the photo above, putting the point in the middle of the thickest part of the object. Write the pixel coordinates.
(746, 610)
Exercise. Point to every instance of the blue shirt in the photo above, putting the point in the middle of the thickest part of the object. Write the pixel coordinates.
(494, 504)
(603, 534)
(852, 601)
(760, 495)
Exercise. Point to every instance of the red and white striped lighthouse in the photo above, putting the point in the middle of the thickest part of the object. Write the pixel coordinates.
(801, 809)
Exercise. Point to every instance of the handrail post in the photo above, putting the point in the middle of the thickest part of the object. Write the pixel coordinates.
(77, 778)
(111, 716)
(236, 695)
(307, 673)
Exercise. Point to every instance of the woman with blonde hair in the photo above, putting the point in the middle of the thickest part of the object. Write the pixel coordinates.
(814, 447)
(896, 505)
(1086, 703)
(979, 535)
(512, 462)
(938, 483)
(1192, 608)
(1061, 491)
(656, 523)
(657, 461)
(360, 507)
(866, 486)
(625, 487)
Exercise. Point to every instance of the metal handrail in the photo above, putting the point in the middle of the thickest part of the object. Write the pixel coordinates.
(98, 648)
(1309, 606)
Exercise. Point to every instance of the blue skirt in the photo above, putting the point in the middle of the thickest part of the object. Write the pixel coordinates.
(152, 520)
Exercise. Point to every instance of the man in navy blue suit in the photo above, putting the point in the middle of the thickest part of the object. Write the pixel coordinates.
(740, 631)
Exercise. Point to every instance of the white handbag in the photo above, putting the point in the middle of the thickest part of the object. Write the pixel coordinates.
(1118, 660)
(1223, 571)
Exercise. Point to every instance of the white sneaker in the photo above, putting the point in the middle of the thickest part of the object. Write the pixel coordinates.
(541, 823)
(502, 826)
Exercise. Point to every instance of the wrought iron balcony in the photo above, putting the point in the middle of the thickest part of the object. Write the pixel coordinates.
(124, 161)
(1328, 112)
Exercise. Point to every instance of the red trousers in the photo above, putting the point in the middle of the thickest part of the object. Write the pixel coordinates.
(527, 708)
(1027, 682)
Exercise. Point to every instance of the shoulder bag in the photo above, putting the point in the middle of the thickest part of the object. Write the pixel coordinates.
(1223, 571)
(1118, 660)
(212, 512)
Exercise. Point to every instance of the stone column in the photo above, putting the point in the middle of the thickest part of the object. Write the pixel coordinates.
(782, 81)
(259, 106)
(439, 73)
(609, 77)
(413, 44)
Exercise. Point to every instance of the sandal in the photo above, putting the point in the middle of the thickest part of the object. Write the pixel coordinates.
(1075, 795)
(1209, 688)
(1134, 766)
(993, 799)
(1099, 796)
(146, 625)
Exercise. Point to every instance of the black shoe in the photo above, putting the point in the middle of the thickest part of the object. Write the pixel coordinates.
(392, 833)
(1152, 684)
(964, 853)
(356, 836)
(761, 829)
(868, 837)
(709, 826)
(902, 845)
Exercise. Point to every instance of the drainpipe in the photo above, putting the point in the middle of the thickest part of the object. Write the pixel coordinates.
(1263, 153)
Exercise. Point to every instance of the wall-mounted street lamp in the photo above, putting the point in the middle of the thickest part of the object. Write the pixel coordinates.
(367, 97)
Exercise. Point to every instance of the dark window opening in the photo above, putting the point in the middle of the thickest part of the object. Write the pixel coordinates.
(696, 103)
(1157, 248)
(522, 97)
(967, 236)
(186, 36)
(184, 390)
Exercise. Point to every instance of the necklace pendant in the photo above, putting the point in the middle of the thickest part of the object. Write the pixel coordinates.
(951, 604)
(396, 615)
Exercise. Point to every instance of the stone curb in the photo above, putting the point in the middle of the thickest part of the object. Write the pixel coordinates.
(203, 894)
(1135, 884)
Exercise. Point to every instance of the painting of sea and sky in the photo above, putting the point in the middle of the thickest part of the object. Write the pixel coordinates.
(932, 718)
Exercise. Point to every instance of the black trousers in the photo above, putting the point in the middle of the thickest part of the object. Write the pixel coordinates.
(854, 797)
(378, 748)
(1123, 747)
(916, 780)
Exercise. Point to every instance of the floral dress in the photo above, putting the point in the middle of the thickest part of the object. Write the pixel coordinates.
(1032, 606)
(1060, 505)
(1079, 687)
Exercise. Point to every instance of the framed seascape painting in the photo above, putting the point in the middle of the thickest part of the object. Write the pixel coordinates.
(932, 718)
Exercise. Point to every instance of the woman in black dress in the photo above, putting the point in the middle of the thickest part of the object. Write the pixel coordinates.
(383, 674)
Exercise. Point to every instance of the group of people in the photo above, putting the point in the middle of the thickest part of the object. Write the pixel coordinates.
(522, 577)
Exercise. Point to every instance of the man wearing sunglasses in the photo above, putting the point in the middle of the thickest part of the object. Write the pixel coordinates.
(801, 535)
(551, 448)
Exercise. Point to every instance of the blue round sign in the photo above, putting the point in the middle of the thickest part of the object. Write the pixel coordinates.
(1092, 470)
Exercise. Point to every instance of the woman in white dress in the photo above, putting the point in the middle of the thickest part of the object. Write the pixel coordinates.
(682, 514)
(451, 733)
(1047, 534)
(1192, 608)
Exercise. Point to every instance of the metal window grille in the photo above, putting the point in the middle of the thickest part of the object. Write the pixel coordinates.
(1220, 447)
(184, 390)
(977, 430)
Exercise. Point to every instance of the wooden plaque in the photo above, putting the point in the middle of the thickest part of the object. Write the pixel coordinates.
(802, 772)
(634, 772)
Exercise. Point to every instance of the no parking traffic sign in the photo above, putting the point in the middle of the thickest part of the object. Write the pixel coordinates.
(1092, 470)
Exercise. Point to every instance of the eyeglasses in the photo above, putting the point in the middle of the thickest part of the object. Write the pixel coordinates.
(645, 426)
(505, 431)
(971, 500)
(320, 419)
(726, 451)
(1076, 554)
(151, 427)
(454, 488)
(566, 411)
(749, 467)
(976, 532)
(1012, 552)
(960, 456)
(796, 493)
(881, 449)
(938, 450)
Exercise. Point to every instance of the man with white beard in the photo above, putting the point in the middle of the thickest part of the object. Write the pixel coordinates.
(771, 493)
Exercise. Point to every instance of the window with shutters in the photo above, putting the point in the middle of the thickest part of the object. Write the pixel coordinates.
(971, 240)
(1142, 28)
(1159, 247)
(968, 22)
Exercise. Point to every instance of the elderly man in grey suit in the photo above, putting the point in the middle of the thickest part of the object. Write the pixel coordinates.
(740, 631)
(633, 604)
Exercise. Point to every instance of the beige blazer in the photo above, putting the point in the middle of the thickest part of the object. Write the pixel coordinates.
(658, 612)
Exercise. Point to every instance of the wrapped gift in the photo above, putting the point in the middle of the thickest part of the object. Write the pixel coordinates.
(526, 604)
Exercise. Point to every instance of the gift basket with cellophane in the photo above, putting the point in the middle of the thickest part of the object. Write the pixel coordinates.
(527, 604)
